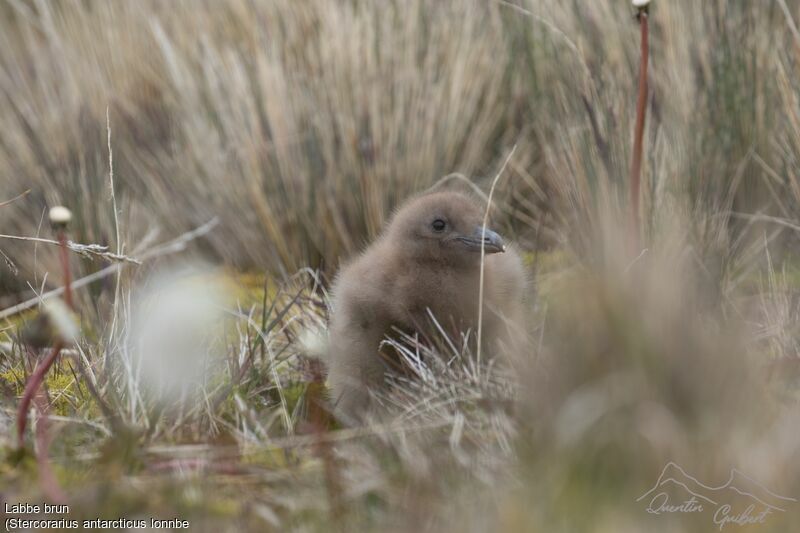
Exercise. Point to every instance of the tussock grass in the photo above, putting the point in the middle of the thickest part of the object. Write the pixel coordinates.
(301, 125)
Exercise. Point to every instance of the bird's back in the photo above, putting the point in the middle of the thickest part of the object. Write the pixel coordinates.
(361, 318)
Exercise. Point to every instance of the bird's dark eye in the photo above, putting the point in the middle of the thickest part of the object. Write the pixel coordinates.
(438, 225)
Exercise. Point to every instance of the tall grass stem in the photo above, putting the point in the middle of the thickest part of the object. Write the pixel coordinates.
(638, 135)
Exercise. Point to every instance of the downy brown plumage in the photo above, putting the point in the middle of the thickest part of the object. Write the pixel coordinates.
(427, 258)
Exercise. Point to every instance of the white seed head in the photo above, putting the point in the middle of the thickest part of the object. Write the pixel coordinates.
(65, 328)
(640, 3)
(314, 343)
(177, 319)
(60, 215)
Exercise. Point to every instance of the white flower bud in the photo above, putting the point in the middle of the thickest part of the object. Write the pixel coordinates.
(314, 343)
(62, 321)
(60, 215)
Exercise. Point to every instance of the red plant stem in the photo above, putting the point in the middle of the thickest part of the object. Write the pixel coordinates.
(31, 388)
(47, 477)
(37, 377)
(62, 241)
(641, 112)
(319, 419)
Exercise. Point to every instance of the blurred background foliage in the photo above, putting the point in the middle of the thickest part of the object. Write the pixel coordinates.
(304, 124)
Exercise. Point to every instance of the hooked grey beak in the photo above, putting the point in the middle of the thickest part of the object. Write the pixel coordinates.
(492, 242)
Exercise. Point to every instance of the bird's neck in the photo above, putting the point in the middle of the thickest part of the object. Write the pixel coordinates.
(439, 264)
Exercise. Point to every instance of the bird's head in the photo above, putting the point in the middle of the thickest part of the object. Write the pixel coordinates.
(444, 227)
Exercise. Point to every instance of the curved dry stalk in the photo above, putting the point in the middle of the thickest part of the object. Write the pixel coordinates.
(17, 197)
(483, 250)
(89, 251)
(457, 176)
(175, 245)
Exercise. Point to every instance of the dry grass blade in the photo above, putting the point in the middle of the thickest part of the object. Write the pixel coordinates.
(18, 197)
(483, 249)
(174, 246)
(89, 251)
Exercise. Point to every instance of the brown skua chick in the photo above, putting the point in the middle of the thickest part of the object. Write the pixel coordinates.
(426, 260)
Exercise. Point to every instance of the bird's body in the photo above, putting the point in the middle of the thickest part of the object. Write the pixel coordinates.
(426, 262)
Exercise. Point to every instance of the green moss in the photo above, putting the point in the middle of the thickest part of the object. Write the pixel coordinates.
(65, 392)
(270, 458)
(14, 378)
(14, 322)
(293, 394)
(248, 288)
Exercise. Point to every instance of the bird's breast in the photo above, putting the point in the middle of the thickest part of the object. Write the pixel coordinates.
(451, 298)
